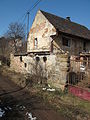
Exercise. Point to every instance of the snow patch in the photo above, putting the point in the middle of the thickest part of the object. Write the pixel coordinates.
(43, 89)
(7, 108)
(30, 116)
(1, 112)
(48, 88)
(22, 107)
(51, 89)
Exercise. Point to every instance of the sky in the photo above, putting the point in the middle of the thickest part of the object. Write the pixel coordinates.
(13, 11)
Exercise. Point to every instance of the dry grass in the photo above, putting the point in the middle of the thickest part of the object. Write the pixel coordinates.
(67, 104)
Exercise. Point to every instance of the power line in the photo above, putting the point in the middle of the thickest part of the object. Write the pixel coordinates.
(28, 24)
(24, 18)
(29, 10)
(27, 15)
(38, 1)
(21, 17)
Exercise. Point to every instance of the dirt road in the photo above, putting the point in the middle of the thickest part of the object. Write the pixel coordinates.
(18, 104)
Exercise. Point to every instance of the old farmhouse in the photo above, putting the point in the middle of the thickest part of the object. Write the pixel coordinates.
(55, 47)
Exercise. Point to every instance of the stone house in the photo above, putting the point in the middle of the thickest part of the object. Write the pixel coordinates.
(52, 42)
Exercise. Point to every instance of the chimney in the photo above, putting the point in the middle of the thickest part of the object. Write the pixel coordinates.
(68, 18)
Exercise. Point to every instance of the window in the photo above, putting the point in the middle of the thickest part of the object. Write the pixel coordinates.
(44, 59)
(37, 59)
(66, 41)
(25, 65)
(35, 43)
(51, 46)
(84, 46)
(20, 58)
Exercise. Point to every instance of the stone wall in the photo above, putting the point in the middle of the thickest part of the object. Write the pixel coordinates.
(58, 73)
(19, 65)
(51, 67)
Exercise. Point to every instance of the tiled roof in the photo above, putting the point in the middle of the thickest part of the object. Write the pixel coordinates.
(67, 26)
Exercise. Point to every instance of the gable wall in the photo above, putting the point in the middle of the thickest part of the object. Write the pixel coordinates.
(42, 30)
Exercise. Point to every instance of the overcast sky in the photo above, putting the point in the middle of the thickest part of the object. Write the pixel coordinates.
(13, 10)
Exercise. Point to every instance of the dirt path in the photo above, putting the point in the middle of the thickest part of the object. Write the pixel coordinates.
(18, 105)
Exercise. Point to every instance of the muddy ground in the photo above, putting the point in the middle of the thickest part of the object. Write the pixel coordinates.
(18, 103)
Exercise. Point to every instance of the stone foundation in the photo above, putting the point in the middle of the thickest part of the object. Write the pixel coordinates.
(51, 67)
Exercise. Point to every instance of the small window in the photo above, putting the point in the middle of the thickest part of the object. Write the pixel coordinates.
(44, 59)
(35, 43)
(51, 46)
(66, 41)
(20, 58)
(25, 64)
(37, 59)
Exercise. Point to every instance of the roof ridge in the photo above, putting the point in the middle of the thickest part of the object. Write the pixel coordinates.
(66, 26)
(63, 18)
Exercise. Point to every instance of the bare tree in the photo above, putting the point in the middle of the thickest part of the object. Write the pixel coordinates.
(16, 32)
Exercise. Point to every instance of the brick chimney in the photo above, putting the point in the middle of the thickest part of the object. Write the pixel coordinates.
(68, 18)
